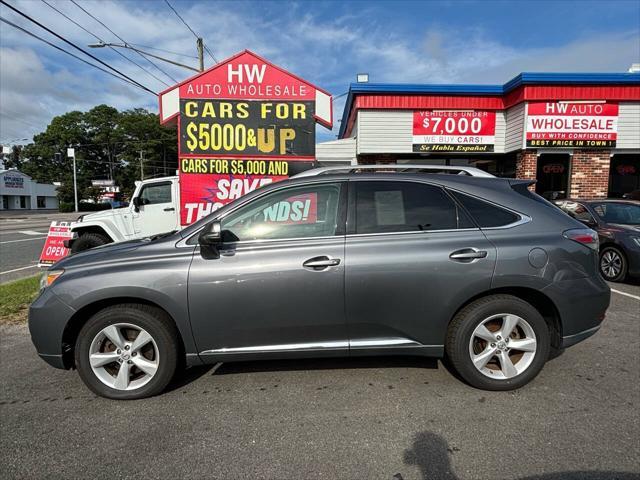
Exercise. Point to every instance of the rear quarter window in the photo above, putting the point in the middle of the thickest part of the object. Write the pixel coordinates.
(485, 214)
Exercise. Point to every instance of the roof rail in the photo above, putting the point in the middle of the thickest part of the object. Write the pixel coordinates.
(470, 171)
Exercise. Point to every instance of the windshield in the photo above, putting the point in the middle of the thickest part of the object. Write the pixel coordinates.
(620, 213)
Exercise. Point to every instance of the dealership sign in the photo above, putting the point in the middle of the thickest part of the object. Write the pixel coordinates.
(460, 131)
(54, 248)
(241, 124)
(571, 124)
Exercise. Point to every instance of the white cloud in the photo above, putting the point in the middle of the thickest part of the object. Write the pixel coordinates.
(38, 82)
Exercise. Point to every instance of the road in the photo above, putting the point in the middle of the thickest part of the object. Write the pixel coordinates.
(22, 237)
(389, 418)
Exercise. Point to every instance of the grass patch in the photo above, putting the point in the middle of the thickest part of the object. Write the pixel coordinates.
(15, 298)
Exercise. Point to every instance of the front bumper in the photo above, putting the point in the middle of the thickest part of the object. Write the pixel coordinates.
(48, 318)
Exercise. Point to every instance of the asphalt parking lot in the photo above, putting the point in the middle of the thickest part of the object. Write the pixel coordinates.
(22, 236)
(393, 418)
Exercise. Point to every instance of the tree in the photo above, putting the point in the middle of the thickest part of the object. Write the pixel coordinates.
(107, 146)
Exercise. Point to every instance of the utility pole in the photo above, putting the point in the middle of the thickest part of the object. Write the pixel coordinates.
(141, 166)
(200, 54)
(71, 152)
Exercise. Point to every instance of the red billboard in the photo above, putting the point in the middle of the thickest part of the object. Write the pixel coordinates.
(572, 124)
(241, 124)
(454, 131)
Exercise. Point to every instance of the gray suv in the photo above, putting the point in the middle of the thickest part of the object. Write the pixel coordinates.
(477, 270)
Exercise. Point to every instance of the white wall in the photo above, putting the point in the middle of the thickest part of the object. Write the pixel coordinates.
(629, 126)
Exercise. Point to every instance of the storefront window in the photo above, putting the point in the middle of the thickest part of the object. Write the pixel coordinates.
(553, 176)
(624, 176)
(42, 202)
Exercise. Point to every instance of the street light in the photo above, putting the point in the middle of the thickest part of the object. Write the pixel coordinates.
(125, 45)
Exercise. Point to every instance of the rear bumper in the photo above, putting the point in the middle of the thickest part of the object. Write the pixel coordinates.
(578, 337)
(48, 318)
(582, 304)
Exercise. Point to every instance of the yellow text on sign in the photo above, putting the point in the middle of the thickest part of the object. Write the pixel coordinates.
(228, 137)
(229, 110)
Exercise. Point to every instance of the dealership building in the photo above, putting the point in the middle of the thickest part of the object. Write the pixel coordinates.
(18, 191)
(577, 134)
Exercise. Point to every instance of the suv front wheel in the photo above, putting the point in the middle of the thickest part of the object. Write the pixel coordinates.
(498, 343)
(127, 351)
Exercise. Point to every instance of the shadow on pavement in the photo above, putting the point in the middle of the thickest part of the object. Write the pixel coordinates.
(430, 452)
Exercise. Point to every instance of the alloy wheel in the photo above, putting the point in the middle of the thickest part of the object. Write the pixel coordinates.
(611, 264)
(502, 346)
(124, 356)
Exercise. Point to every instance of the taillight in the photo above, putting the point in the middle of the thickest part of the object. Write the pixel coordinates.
(585, 236)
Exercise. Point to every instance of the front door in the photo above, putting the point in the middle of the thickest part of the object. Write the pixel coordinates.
(277, 285)
(411, 254)
(157, 213)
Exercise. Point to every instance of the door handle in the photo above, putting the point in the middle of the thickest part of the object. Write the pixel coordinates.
(467, 254)
(170, 209)
(321, 263)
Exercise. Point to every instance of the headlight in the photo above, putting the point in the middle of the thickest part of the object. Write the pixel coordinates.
(49, 277)
(636, 240)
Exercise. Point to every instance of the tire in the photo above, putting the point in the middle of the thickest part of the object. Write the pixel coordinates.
(464, 343)
(613, 264)
(89, 240)
(158, 355)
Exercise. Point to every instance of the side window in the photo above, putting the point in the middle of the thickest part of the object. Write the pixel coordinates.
(156, 193)
(578, 211)
(307, 211)
(485, 214)
(404, 207)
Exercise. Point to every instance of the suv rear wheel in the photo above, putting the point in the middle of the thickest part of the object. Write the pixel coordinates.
(498, 343)
(127, 351)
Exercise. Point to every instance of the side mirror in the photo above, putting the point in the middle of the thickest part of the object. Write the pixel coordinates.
(137, 201)
(211, 234)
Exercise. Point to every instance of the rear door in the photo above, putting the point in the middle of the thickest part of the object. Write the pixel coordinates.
(412, 256)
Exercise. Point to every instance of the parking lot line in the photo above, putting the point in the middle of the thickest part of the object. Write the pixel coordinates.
(626, 294)
(23, 240)
(18, 269)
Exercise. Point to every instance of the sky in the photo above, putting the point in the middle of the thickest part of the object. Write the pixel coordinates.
(326, 43)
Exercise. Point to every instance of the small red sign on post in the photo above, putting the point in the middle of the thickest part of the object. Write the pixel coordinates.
(54, 249)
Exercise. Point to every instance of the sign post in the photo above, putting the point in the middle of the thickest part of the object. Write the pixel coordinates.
(71, 152)
(241, 124)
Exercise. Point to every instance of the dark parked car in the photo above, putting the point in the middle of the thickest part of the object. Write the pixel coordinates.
(618, 225)
(479, 270)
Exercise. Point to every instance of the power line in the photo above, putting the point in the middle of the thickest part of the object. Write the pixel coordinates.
(191, 30)
(148, 47)
(98, 38)
(74, 46)
(122, 39)
(73, 55)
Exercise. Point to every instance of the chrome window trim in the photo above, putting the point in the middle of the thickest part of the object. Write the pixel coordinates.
(412, 232)
(523, 218)
(312, 181)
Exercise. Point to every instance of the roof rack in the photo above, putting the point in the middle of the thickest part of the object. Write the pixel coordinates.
(449, 169)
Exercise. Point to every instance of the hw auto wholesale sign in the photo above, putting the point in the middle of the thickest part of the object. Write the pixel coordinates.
(242, 124)
(571, 124)
(454, 131)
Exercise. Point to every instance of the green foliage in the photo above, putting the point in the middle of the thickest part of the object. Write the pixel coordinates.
(107, 146)
(15, 298)
(67, 207)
